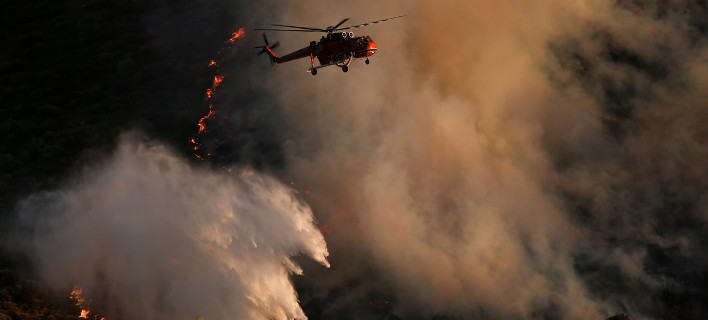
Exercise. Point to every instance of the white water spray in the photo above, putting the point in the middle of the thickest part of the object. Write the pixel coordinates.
(149, 236)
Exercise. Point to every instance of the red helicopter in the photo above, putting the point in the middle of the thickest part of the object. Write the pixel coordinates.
(336, 47)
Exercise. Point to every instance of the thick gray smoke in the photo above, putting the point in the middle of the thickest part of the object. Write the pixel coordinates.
(508, 159)
(148, 236)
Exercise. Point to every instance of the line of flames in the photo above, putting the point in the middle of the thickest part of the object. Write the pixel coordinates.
(218, 79)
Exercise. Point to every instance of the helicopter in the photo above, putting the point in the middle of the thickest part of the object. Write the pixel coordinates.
(336, 47)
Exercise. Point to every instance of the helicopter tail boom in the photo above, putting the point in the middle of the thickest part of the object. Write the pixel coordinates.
(275, 60)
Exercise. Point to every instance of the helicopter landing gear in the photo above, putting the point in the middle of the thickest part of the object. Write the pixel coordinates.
(314, 72)
(345, 69)
(367, 61)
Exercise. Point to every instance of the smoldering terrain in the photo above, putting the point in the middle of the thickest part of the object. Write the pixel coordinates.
(496, 160)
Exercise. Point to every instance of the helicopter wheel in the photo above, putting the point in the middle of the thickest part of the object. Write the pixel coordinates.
(367, 61)
(314, 72)
(345, 68)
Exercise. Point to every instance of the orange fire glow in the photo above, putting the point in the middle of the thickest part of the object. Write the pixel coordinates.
(235, 36)
(217, 81)
(212, 63)
(201, 123)
(76, 294)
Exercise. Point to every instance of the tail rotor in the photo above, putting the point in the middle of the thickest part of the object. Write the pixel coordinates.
(267, 47)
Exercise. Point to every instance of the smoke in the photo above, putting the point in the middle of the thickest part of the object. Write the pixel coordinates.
(149, 236)
(507, 159)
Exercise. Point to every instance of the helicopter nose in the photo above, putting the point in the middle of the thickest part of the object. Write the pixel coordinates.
(371, 49)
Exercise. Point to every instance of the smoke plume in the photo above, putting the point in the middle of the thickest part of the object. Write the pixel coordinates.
(149, 236)
(508, 159)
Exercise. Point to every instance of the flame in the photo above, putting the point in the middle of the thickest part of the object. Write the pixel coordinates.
(76, 294)
(209, 95)
(202, 124)
(195, 143)
(235, 36)
(217, 81)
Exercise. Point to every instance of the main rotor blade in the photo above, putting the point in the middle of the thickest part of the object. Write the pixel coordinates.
(368, 23)
(290, 30)
(304, 28)
(265, 38)
(339, 24)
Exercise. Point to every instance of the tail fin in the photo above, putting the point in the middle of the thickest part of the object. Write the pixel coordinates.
(274, 59)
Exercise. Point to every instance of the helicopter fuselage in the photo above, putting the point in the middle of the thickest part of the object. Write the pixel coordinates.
(334, 48)
(338, 49)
